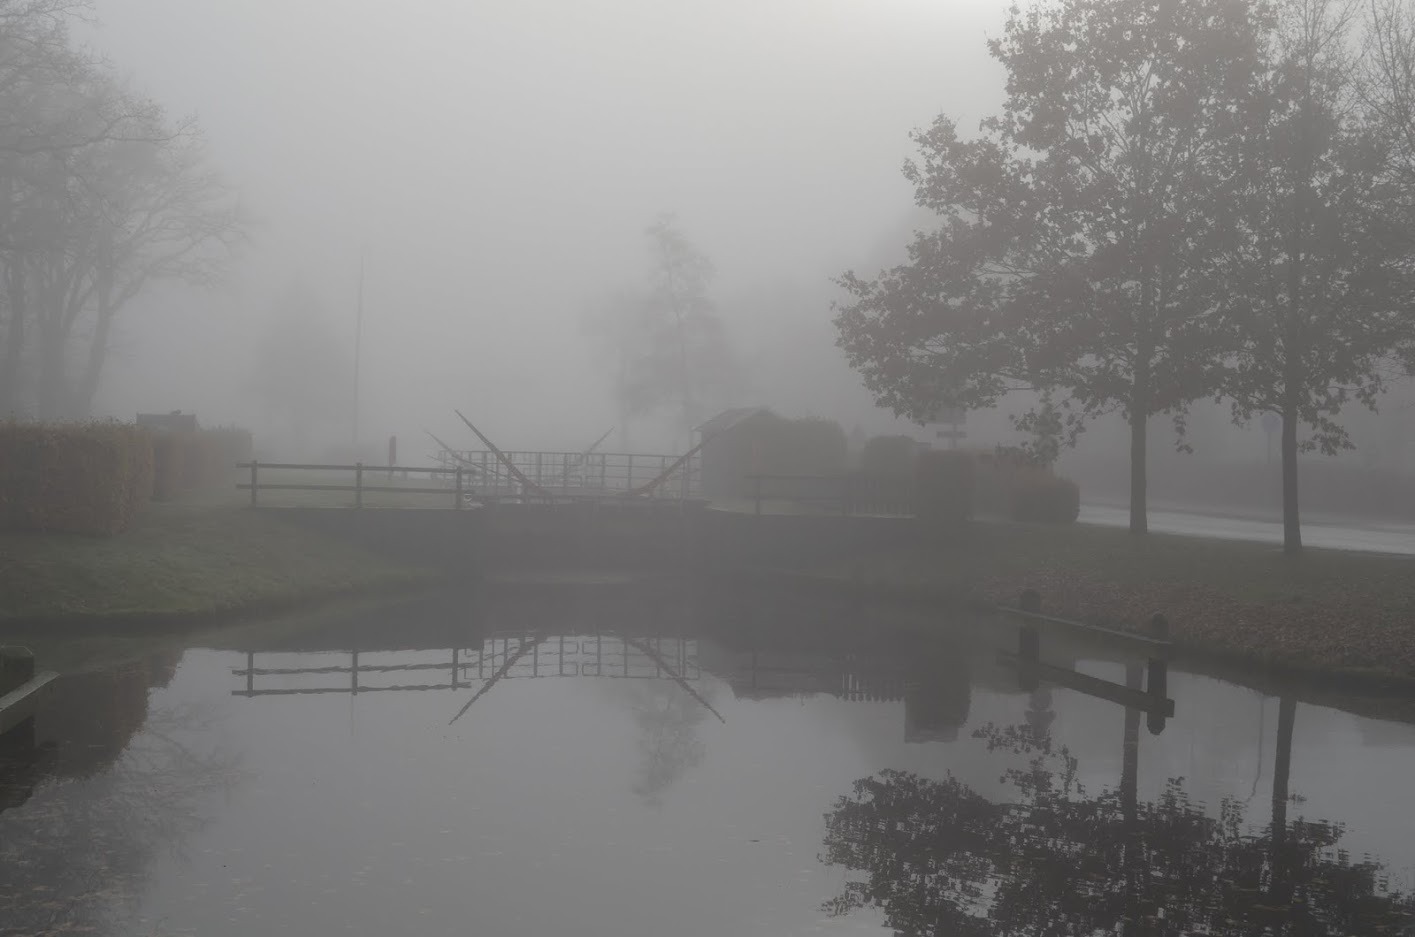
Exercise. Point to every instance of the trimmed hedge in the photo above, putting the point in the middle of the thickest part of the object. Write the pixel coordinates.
(767, 444)
(998, 471)
(1043, 498)
(889, 455)
(169, 465)
(943, 487)
(85, 478)
(203, 459)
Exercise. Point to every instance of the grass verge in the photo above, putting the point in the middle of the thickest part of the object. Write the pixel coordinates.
(183, 561)
(1322, 611)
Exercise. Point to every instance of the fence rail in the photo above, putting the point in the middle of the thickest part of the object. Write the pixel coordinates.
(502, 656)
(479, 477)
(848, 494)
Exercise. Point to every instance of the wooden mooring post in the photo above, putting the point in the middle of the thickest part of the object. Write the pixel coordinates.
(1155, 647)
(21, 688)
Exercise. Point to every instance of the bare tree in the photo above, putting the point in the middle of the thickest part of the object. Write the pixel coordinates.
(101, 195)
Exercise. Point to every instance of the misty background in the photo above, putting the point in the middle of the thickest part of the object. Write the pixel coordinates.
(496, 166)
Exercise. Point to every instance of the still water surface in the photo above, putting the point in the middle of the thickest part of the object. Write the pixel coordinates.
(636, 764)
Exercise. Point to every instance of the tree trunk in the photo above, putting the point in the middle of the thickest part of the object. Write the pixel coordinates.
(1291, 517)
(98, 347)
(1282, 766)
(50, 379)
(14, 339)
(1139, 519)
(1130, 804)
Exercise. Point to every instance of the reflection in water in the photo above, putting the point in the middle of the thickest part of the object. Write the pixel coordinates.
(1053, 858)
(110, 785)
(668, 741)
(658, 765)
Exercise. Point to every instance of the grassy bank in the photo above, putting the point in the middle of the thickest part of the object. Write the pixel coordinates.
(1325, 610)
(183, 561)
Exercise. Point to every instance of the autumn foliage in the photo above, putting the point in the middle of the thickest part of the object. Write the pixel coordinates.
(192, 460)
(85, 478)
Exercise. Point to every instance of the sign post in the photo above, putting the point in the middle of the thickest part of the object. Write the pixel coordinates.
(952, 417)
(1271, 424)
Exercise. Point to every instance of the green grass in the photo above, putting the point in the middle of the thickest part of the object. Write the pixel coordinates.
(1325, 609)
(182, 560)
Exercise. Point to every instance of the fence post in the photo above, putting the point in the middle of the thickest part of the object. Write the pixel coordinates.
(539, 482)
(629, 482)
(1157, 675)
(757, 494)
(1029, 640)
(459, 488)
(847, 505)
(255, 485)
(358, 484)
(16, 668)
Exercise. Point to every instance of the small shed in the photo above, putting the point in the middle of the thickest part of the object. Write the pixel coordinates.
(174, 422)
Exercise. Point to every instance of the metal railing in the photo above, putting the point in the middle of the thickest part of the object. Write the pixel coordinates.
(503, 656)
(569, 471)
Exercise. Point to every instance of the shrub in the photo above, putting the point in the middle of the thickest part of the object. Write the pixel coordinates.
(943, 488)
(231, 444)
(89, 478)
(1043, 498)
(889, 455)
(997, 472)
(767, 444)
(169, 471)
(201, 459)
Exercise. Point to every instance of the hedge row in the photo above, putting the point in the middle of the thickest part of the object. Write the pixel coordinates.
(85, 478)
(1001, 482)
(892, 456)
(944, 486)
(200, 459)
(767, 444)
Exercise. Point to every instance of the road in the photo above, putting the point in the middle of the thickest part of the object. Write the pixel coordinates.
(1363, 536)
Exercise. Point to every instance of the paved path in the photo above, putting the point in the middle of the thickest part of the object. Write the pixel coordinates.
(1365, 537)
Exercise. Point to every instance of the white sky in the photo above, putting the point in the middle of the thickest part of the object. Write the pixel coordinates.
(499, 160)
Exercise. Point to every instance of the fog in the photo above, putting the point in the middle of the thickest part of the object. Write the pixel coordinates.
(497, 164)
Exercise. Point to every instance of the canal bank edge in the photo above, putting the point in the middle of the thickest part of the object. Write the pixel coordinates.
(184, 566)
(1340, 616)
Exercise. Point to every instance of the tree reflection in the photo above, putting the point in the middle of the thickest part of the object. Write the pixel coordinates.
(117, 789)
(1053, 859)
(668, 744)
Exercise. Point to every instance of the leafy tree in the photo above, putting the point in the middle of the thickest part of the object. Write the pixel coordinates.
(671, 348)
(1316, 286)
(1055, 859)
(1075, 229)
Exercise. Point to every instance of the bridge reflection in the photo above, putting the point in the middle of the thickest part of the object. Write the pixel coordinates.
(760, 647)
(934, 684)
(503, 656)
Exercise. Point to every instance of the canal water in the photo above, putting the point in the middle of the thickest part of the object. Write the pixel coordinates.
(623, 762)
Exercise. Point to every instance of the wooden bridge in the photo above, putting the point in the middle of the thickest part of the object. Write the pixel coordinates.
(470, 478)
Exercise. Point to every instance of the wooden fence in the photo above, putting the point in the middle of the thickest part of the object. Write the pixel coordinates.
(483, 481)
